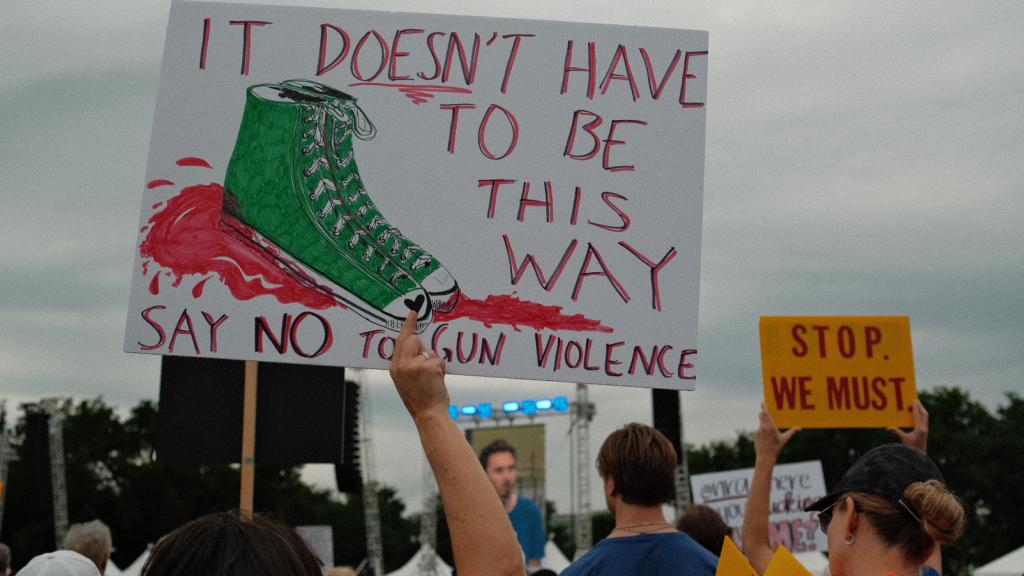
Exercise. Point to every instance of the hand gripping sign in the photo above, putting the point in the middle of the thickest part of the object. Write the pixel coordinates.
(838, 371)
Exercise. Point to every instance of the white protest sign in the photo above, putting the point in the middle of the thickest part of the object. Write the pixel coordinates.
(321, 541)
(794, 486)
(532, 190)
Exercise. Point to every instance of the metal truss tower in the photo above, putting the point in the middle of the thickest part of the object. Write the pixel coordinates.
(58, 474)
(428, 523)
(7, 455)
(683, 500)
(583, 412)
(371, 509)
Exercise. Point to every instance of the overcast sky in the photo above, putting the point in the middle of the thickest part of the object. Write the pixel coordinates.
(862, 158)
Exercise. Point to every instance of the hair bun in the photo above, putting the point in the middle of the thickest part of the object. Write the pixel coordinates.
(942, 515)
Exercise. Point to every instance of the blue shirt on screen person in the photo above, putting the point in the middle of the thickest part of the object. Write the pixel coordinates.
(525, 517)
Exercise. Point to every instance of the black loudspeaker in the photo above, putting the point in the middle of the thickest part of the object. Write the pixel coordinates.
(304, 414)
(36, 464)
(347, 472)
(666, 416)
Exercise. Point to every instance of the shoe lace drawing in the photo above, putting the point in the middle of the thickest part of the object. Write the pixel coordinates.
(279, 195)
(336, 124)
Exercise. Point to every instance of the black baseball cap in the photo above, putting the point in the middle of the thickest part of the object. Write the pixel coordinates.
(884, 471)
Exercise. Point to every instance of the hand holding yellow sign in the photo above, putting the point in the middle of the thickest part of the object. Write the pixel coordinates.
(838, 371)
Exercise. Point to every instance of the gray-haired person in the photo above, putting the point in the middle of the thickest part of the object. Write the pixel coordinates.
(92, 540)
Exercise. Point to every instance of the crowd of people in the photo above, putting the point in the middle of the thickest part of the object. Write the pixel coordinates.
(888, 516)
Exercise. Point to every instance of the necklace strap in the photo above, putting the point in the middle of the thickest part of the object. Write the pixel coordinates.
(632, 528)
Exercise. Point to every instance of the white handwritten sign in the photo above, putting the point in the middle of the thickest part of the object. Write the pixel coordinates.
(531, 190)
(794, 486)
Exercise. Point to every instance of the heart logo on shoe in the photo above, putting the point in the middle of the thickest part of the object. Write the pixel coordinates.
(415, 303)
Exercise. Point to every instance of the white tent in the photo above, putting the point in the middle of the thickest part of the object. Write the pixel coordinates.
(135, 568)
(815, 562)
(553, 557)
(412, 567)
(1010, 565)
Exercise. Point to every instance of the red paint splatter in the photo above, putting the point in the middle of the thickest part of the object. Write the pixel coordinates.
(193, 161)
(157, 205)
(187, 238)
(511, 311)
(197, 290)
(158, 183)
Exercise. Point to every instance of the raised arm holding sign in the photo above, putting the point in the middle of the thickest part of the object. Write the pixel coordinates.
(483, 541)
(768, 443)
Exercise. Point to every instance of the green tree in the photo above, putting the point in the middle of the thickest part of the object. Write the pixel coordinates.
(113, 474)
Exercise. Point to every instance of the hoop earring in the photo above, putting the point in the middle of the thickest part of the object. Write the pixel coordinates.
(849, 538)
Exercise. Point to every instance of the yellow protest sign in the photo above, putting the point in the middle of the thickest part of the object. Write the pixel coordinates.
(784, 564)
(732, 562)
(838, 371)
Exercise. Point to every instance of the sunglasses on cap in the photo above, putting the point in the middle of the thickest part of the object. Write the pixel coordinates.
(825, 516)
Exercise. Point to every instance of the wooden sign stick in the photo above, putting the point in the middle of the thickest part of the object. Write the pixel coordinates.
(248, 438)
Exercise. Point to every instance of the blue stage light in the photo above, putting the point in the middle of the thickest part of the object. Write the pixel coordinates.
(453, 411)
(486, 410)
(469, 410)
(544, 404)
(510, 407)
(529, 407)
(561, 403)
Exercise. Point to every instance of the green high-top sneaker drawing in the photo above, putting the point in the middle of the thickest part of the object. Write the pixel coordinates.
(279, 195)
(340, 120)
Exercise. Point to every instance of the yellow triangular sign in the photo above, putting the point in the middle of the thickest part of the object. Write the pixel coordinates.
(785, 564)
(733, 562)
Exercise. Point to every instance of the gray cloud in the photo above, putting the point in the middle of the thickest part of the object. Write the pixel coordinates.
(862, 159)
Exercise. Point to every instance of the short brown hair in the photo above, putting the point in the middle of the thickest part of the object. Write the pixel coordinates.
(642, 462)
(498, 445)
(705, 525)
(227, 544)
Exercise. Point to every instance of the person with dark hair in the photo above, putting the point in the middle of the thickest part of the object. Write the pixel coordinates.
(498, 460)
(230, 544)
(705, 525)
(888, 515)
(637, 464)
